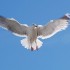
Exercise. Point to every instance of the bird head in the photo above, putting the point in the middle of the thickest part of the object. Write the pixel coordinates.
(34, 25)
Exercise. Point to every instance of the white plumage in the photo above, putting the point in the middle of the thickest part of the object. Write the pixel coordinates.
(34, 32)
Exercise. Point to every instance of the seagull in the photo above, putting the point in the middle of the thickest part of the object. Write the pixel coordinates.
(32, 33)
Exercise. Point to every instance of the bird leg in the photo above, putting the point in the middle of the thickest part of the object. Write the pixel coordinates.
(31, 48)
(36, 45)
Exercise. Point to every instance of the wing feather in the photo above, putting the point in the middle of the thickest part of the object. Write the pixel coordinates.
(13, 25)
(52, 28)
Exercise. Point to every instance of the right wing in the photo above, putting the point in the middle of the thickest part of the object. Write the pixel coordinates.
(14, 26)
(53, 27)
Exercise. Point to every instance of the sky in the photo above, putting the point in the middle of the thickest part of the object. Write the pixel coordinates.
(55, 51)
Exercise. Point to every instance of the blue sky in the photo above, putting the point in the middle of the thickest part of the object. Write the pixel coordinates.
(55, 52)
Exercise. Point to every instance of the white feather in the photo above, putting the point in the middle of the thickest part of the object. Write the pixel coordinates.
(58, 29)
(28, 45)
(19, 35)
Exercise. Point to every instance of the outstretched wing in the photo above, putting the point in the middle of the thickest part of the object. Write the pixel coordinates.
(13, 25)
(53, 27)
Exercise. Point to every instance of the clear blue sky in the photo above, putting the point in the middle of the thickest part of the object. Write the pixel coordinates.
(55, 52)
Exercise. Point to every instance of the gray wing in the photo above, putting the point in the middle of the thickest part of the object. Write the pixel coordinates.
(13, 25)
(53, 27)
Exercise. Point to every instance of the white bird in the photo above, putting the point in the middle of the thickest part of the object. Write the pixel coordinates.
(34, 32)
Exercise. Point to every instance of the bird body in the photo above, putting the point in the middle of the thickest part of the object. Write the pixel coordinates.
(32, 41)
(33, 33)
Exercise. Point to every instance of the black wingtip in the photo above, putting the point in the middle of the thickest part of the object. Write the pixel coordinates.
(2, 16)
(66, 16)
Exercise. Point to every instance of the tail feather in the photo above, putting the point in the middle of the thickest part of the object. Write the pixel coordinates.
(24, 43)
(34, 45)
(39, 43)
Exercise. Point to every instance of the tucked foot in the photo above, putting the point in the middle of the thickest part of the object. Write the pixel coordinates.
(32, 49)
(37, 48)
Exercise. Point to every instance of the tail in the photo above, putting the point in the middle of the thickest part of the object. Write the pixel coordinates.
(34, 46)
(25, 43)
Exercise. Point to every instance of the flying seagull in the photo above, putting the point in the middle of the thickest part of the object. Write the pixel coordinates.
(33, 33)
